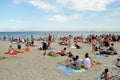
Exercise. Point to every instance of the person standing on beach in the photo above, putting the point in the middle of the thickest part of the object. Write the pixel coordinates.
(32, 40)
(69, 41)
(94, 42)
(49, 38)
(4, 38)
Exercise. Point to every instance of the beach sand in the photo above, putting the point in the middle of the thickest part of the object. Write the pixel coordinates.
(35, 66)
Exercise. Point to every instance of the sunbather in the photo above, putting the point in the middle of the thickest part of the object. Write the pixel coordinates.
(62, 52)
(52, 53)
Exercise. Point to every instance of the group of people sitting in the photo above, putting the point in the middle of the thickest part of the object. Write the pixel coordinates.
(76, 63)
(110, 51)
(13, 51)
(64, 41)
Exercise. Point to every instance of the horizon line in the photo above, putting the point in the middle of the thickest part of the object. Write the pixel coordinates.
(60, 31)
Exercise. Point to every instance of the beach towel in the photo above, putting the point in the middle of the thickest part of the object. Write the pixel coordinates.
(13, 53)
(103, 55)
(52, 48)
(65, 69)
(73, 47)
(51, 56)
(76, 71)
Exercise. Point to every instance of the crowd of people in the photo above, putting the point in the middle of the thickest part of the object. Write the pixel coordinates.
(97, 43)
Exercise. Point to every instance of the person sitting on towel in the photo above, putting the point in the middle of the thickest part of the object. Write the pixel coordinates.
(87, 62)
(105, 74)
(76, 64)
(77, 46)
(62, 52)
(70, 58)
(111, 50)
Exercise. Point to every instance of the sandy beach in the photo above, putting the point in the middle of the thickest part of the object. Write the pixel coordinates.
(35, 66)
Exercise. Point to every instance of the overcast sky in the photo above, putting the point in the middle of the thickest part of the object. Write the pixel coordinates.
(59, 15)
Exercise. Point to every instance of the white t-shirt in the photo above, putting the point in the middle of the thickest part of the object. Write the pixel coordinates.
(87, 63)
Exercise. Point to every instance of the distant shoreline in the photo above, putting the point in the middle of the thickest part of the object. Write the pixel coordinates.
(59, 31)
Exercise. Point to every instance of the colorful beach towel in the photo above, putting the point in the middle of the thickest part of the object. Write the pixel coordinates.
(13, 53)
(77, 71)
(65, 69)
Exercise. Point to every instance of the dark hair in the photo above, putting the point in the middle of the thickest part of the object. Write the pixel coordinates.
(70, 54)
(118, 59)
(77, 57)
(106, 70)
(86, 55)
(10, 45)
(64, 48)
(96, 48)
(112, 44)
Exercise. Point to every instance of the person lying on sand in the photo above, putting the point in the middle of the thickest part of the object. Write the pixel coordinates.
(52, 53)
(110, 51)
(62, 52)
